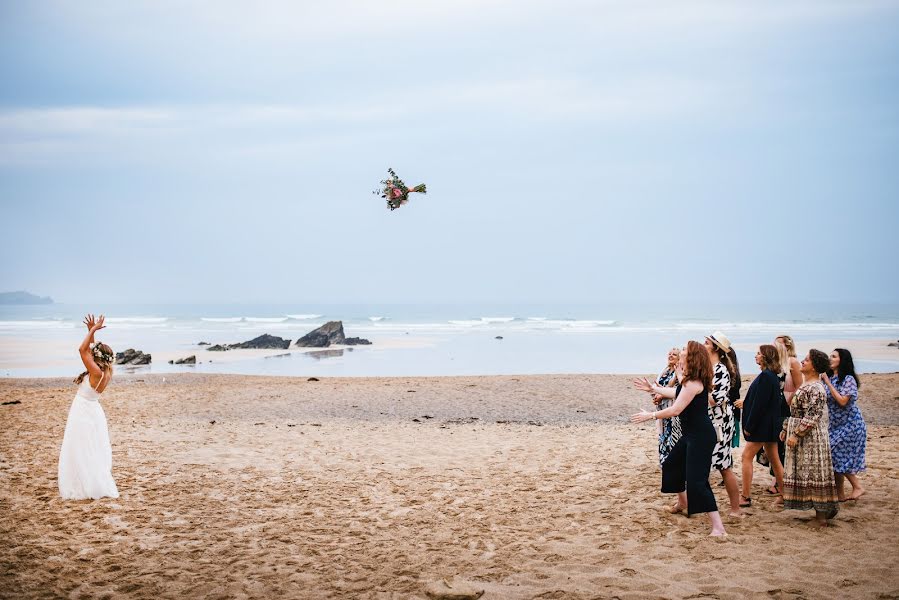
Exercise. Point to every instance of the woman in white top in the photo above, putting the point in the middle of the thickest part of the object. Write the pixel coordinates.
(85, 460)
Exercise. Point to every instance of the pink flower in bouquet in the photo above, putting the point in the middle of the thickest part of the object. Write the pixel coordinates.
(396, 192)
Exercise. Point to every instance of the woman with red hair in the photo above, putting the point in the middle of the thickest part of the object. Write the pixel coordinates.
(686, 470)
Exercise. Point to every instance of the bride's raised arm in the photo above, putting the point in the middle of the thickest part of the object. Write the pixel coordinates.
(87, 357)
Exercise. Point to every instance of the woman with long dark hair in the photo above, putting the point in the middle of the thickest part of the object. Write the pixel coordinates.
(762, 419)
(848, 433)
(734, 395)
(686, 471)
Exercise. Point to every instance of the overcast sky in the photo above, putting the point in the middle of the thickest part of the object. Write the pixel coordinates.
(575, 152)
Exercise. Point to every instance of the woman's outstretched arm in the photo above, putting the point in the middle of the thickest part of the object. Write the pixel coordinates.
(687, 392)
(84, 349)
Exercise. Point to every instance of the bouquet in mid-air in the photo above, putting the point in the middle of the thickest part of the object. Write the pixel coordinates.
(395, 191)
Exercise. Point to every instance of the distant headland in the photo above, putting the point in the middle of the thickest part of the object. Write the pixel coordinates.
(23, 298)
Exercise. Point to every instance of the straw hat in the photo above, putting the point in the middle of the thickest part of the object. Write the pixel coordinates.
(720, 340)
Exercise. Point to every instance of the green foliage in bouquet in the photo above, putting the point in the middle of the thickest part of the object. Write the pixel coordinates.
(396, 192)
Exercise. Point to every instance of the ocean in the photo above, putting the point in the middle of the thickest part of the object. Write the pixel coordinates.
(414, 340)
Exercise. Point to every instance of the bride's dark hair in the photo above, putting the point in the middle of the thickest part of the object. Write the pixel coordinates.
(103, 356)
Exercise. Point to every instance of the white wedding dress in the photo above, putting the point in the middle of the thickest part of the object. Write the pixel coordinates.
(85, 461)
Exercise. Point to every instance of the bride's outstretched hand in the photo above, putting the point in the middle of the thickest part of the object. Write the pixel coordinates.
(98, 325)
(89, 321)
(643, 385)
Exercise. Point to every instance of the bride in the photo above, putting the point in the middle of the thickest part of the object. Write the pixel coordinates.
(85, 461)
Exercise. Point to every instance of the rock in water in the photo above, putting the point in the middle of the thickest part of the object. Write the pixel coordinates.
(218, 348)
(132, 357)
(356, 341)
(190, 360)
(265, 341)
(329, 333)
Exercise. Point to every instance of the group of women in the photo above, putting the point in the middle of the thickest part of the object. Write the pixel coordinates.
(801, 418)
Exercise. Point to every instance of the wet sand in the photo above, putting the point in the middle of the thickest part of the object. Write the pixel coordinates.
(526, 487)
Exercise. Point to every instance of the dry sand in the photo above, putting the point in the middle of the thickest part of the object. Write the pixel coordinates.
(526, 487)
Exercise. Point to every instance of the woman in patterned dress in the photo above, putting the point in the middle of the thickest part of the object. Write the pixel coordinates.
(668, 429)
(808, 475)
(722, 415)
(848, 433)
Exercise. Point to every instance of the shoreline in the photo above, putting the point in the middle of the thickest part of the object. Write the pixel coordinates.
(22, 358)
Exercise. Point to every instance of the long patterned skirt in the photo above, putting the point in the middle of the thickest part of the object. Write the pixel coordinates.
(722, 418)
(671, 433)
(808, 473)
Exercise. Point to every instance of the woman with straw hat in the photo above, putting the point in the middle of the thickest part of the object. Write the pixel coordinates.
(722, 415)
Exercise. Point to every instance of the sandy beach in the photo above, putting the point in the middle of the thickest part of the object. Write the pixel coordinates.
(525, 487)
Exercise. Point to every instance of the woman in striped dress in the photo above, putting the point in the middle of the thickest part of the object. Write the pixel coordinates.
(668, 429)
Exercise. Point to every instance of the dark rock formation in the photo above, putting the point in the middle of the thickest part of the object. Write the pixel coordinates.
(190, 360)
(329, 333)
(264, 341)
(132, 357)
(204, 344)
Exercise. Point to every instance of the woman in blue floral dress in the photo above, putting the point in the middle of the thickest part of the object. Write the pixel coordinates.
(847, 431)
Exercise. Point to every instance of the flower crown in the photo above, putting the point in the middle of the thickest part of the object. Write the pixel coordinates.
(98, 353)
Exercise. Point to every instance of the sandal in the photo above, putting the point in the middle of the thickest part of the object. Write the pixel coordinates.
(745, 502)
(773, 490)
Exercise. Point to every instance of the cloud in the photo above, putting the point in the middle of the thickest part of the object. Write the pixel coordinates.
(280, 21)
(42, 136)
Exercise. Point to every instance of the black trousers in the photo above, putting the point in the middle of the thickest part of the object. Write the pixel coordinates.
(687, 468)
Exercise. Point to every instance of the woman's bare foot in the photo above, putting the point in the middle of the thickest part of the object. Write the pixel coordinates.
(736, 513)
(779, 501)
(718, 533)
(818, 524)
(676, 508)
(856, 493)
